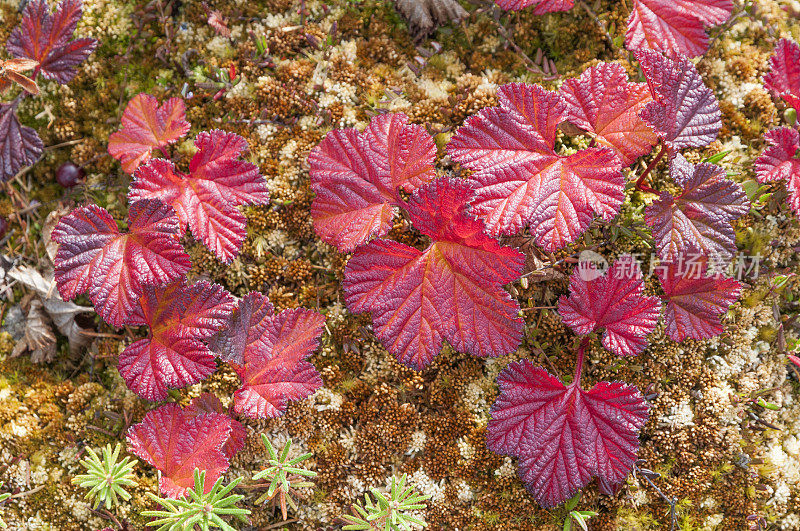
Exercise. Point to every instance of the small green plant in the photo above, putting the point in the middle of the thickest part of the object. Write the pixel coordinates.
(197, 509)
(106, 477)
(576, 517)
(282, 476)
(3, 497)
(387, 512)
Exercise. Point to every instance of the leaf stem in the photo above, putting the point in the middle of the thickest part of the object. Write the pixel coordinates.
(672, 502)
(579, 363)
(600, 23)
(640, 182)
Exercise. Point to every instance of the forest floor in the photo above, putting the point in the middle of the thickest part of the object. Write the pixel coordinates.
(334, 64)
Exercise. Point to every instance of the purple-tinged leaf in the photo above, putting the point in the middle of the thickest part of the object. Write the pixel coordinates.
(615, 302)
(269, 353)
(784, 75)
(563, 435)
(674, 26)
(94, 257)
(173, 355)
(521, 181)
(698, 221)
(779, 162)
(358, 177)
(452, 290)
(696, 301)
(46, 38)
(20, 146)
(684, 111)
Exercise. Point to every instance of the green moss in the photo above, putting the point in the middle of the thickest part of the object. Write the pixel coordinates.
(632, 519)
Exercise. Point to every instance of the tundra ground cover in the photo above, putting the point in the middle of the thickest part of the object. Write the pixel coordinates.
(709, 439)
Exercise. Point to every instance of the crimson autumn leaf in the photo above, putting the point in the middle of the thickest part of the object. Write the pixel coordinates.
(522, 181)
(563, 435)
(615, 302)
(112, 267)
(674, 26)
(206, 198)
(177, 442)
(46, 38)
(695, 300)
(604, 103)
(20, 145)
(542, 6)
(684, 112)
(173, 355)
(698, 221)
(144, 127)
(269, 353)
(779, 162)
(209, 403)
(357, 178)
(450, 291)
(784, 75)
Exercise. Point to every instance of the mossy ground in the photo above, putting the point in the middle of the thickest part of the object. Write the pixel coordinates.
(335, 64)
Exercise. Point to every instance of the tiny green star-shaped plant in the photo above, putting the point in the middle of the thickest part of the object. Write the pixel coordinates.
(106, 476)
(3, 497)
(197, 509)
(388, 512)
(282, 476)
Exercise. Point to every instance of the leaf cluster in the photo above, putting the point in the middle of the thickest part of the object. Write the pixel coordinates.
(106, 476)
(43, 43)
(282, 475)
(392, 511)
(198, 509)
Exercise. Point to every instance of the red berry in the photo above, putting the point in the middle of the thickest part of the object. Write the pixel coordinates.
(69, 174)
(3, 226)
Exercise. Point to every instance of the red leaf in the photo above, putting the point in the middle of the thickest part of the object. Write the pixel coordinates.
(47, 38)
(696, 301)
(794, 359)
(151, 368)
(450, 291)
(542, 6)
(206, 198)
(94, 257)
(145, 126)
(685, 112)
(356, 177)
(563, 435)
(522, 181)
(209, 403)
(674, 26)
(698, 221)
(604, 103)
(176, 443)
(778, 162)
(784, 75)
(269, 353)
(20, 145)
(615, 302)
(173, 356)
